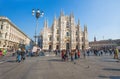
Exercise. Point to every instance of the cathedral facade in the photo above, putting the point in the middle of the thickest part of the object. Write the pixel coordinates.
(64, 34)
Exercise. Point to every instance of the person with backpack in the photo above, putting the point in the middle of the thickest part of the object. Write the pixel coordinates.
(18, 58)
(22, 54)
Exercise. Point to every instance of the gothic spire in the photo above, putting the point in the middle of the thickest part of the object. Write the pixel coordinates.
(78, 25)
(79, 22)
(54, 17)
(85, 28)
(71, 15)
(54, 22)
(61, 13)
(46, 23)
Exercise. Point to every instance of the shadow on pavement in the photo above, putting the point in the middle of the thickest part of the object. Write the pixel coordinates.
(56, 60)
(111, 69)
(109, 60)
(110, 77)
(103, 76)
(11, 61)
(114, 77)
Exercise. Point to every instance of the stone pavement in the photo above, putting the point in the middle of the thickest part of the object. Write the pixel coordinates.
(6, 57)
(51, 67)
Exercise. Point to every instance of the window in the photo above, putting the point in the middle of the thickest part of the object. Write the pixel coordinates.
(0, 34)
(57, 38)
(82, 39)
(50, 38)
(67, 25)
(76, 39)
(76, 33)
(77, 47)
(67, 34)
(0, 43)
(57, 31)
(2, 26)
(5, 35)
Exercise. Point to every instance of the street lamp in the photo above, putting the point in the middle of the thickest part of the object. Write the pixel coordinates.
(37, 13)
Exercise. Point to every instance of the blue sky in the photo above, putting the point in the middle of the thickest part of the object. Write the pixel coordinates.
(101, 16)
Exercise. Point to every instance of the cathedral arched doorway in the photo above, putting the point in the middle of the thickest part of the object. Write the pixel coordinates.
(77, 47)
(82, 47)
(50, 47)
(67, 46)
(57, 46)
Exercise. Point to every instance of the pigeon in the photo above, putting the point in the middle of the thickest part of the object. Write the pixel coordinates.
(88, 67)
(74, 62)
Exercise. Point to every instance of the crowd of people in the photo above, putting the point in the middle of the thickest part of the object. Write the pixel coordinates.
(70, 54)
(66, 55)
(101, 52)
(76, 54)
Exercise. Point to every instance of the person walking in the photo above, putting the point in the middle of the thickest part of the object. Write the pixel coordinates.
(84, 53)
(72, 54)
(1, 52)
(78, 53)
(29, 52)
(62, 55)
(116, 53)
(18, 58)
(23, 54)
(66, 55)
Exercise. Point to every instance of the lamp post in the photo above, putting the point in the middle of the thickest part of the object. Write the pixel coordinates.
(37, 13)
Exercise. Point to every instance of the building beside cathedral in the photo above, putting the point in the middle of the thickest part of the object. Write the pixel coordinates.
(64, 34)
(11, 36)
(104, 44)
